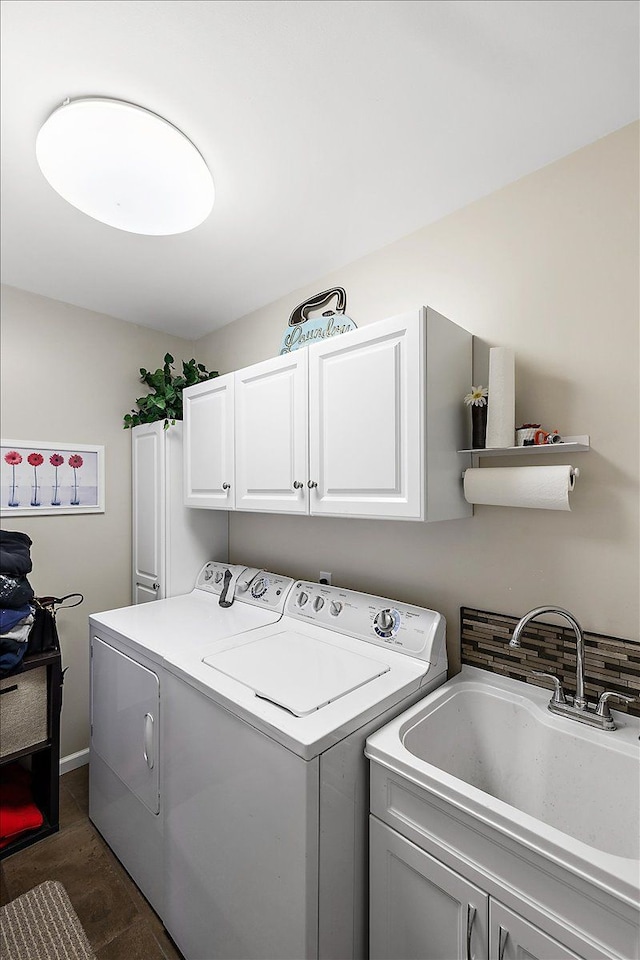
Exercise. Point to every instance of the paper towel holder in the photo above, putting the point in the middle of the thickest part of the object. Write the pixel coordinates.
(574, 473)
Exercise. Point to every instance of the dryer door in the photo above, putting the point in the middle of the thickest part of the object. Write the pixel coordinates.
(125, 720)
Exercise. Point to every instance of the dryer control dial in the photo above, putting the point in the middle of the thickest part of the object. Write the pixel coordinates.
(260, 587)
(386, 623)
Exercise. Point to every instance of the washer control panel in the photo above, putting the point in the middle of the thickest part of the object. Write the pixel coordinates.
(415, 631)
(254, 586)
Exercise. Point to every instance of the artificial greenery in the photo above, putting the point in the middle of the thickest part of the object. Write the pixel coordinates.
(165, 400)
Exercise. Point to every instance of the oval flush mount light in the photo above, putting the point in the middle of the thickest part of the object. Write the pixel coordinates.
(125, 166)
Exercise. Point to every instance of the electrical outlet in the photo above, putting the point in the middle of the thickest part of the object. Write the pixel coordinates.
(325, 577)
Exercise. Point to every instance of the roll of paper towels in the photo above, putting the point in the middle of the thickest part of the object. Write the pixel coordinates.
(544, 488)
(501, 409)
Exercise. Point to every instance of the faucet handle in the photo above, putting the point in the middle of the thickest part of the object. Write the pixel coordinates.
(558, 692)
(602, 710)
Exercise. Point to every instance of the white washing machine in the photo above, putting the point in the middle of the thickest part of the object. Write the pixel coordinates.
(129, 647)
(265, 782)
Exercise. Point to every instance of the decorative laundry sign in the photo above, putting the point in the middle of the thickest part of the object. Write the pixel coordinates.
(304, 329)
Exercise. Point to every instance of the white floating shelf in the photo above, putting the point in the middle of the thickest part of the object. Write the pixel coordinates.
(568, 445)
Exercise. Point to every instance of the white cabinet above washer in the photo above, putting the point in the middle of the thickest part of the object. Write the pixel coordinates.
(367, 421)
(367, 424)
(271, 435)
(208, 411)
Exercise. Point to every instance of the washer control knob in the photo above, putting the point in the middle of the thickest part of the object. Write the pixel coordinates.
(302, 598)
(335, 607)
(208, 574)
(384, 621)
(219, 575)
(318, 603)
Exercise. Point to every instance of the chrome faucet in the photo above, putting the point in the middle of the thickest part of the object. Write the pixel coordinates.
(577, 708)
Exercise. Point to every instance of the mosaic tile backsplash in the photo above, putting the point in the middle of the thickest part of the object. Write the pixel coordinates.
(610, 663)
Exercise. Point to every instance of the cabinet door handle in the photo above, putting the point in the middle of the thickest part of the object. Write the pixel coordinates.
(14, 686)
(471, 916)
(156, 587)
(226, 486)
(147, 749)
(298, 485)
(503, 935)
(311, 484)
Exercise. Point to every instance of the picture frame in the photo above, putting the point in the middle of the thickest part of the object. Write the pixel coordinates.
(46, 478)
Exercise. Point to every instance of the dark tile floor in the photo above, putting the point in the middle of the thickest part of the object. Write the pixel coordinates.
(117, 919)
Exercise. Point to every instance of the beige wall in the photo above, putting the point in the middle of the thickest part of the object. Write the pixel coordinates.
(69, 375)
(549, 267)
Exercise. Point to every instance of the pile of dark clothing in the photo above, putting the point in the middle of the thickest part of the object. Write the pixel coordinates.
(17, 610)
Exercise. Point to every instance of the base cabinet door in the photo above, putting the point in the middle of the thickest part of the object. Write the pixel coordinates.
(513, 938)
(420, 909)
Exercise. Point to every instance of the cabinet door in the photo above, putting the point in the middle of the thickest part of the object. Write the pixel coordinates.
(271, 435)
(147, 454)
(366, 416)
(513, 938)
(208, 444)
(420, 909)
(125, 720)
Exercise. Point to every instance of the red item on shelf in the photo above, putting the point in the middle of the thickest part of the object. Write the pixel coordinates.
(18, 812)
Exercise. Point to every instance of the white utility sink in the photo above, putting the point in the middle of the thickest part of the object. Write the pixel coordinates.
(488, 745)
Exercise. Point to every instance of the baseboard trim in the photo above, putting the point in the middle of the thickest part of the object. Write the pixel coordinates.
(74, 760)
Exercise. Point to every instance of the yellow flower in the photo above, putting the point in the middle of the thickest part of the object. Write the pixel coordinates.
(477, 397)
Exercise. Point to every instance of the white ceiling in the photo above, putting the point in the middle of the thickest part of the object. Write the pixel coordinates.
(331, 127)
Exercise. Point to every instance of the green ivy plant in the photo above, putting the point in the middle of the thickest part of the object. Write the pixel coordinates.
(165, 400)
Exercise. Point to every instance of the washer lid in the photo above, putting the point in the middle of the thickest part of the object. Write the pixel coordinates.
(296, 672)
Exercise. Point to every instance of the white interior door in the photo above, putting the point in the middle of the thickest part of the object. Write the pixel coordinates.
(366, 414)
(148, 457)
(271, 435)
(125, 720)
(209, 444)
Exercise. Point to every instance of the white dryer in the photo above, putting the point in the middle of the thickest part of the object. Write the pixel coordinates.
(265, 782)
(129, 647)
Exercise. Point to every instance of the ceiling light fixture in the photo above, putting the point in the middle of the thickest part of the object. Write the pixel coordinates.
(125, 166)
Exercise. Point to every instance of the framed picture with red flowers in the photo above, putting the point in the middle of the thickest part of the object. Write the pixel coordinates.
(38, 477)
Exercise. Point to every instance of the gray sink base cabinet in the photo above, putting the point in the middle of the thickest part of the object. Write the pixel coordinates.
(445, 886)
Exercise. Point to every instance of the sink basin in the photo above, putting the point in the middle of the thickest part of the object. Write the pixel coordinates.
(489, 745)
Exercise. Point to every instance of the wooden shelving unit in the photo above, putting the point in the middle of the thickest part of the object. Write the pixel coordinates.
(45, 755)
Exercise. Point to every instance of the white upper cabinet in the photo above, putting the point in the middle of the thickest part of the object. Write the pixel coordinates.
(366, 422)
(271, 435)
(208, 411)
(385, 418)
